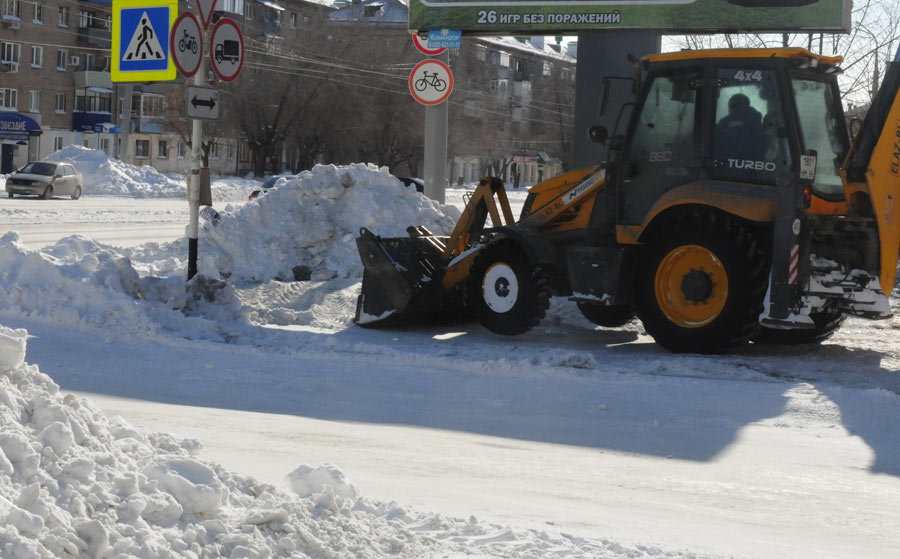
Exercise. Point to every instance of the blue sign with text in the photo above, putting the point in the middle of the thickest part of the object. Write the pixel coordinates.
(444, 38)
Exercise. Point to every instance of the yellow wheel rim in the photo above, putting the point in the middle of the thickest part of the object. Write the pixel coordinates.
(691, 286)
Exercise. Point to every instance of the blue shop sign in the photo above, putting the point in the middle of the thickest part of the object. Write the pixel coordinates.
(16, 126)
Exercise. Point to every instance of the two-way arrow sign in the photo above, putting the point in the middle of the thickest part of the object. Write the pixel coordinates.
(202, 102)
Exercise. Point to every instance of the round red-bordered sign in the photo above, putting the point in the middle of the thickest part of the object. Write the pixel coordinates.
(422, 45)
(186, 44)
(226, 49)
(431, 82)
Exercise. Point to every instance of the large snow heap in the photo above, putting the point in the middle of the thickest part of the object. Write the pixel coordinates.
(106, 176)
(310, 222)
(313, 221)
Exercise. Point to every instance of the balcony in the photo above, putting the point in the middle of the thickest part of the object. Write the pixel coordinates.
(93, 79)
(97, 36)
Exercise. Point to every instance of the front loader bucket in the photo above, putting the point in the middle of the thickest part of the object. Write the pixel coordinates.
(401, 276)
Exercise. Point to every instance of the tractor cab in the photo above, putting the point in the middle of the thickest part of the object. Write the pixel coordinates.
(731, 122)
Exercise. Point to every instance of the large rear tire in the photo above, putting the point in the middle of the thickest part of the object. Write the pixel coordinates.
(827, 323)
(609, 316)
(77, 193)
(702, 285)
(506, 292)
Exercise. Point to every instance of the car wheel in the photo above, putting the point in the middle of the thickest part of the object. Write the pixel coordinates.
(10, 194)
(77, 194)
(48, 193)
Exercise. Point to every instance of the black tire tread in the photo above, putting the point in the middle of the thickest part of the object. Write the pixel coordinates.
(739, 320)
(535, 290)
(608, 316)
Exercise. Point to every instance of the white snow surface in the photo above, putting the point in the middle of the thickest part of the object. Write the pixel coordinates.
(77, 483)
(107, 176)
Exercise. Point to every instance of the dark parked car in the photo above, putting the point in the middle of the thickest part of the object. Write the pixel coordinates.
(270, 182)
(409, 181)
(46, 179)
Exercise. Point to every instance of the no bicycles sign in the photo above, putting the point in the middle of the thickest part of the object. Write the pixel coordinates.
(431, 82)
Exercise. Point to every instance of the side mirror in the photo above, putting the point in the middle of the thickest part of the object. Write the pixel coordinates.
(598, 134)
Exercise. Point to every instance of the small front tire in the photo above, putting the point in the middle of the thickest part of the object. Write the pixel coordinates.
(506, 292)
(48, 193)
(77, 193)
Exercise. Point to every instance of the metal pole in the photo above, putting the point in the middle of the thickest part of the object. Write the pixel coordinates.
(126, 123)
(194, 179)
(436, 117)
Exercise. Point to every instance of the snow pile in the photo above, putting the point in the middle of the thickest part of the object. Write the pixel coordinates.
(313, 221)
(305, 228)
(74, 483)
(106, 176)
(79, 281)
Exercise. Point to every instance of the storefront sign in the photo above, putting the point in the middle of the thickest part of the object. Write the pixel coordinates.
(16, 127)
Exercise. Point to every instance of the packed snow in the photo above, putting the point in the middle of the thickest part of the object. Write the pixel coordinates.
(269, 318)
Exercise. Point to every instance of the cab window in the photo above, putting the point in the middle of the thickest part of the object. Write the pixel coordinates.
(820, 128)
(750, 137)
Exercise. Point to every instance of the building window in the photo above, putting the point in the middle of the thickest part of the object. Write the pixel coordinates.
(88, 61)
(151, 105)
(233, 6)
(92, 101)
(8, 98)
(504, 59)
(34, 101)
(61, 56)
(108, 23)
(37, 56)
(60, 102)
(293, 20)
(57, 143)
(214, 150)
(521, 66)
(11, 9)
(38, 16)
(84, 18)
(548, 68)
(163, 149)
(180, 150)
(104, 145)
(499, 86)
(230, 151)
(248, 10)
(11, 53)
(63, 16)
(243, 152)
(106, 65)
(480, 52)
(142, 149)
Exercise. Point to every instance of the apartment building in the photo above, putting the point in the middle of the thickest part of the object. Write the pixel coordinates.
(55, 88)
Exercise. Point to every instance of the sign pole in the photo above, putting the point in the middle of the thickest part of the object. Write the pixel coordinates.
(194, 180)
(436, 118)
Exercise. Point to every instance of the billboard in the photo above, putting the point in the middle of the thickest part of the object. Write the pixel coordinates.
(524, 17)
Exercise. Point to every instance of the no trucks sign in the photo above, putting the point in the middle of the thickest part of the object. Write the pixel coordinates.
(491, 17)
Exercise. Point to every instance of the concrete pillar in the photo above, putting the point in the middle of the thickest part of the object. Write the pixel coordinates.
(602, 54)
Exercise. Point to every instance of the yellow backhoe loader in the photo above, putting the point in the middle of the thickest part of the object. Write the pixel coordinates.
(732, 207)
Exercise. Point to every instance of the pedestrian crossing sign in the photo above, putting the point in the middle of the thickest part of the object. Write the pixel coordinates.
(140, 40)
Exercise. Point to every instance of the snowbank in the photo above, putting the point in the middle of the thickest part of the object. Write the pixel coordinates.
(309, 223)
(105, 176)
(313, 221)
(75, 483)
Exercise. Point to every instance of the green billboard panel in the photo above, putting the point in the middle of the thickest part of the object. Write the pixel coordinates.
(523, 17)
